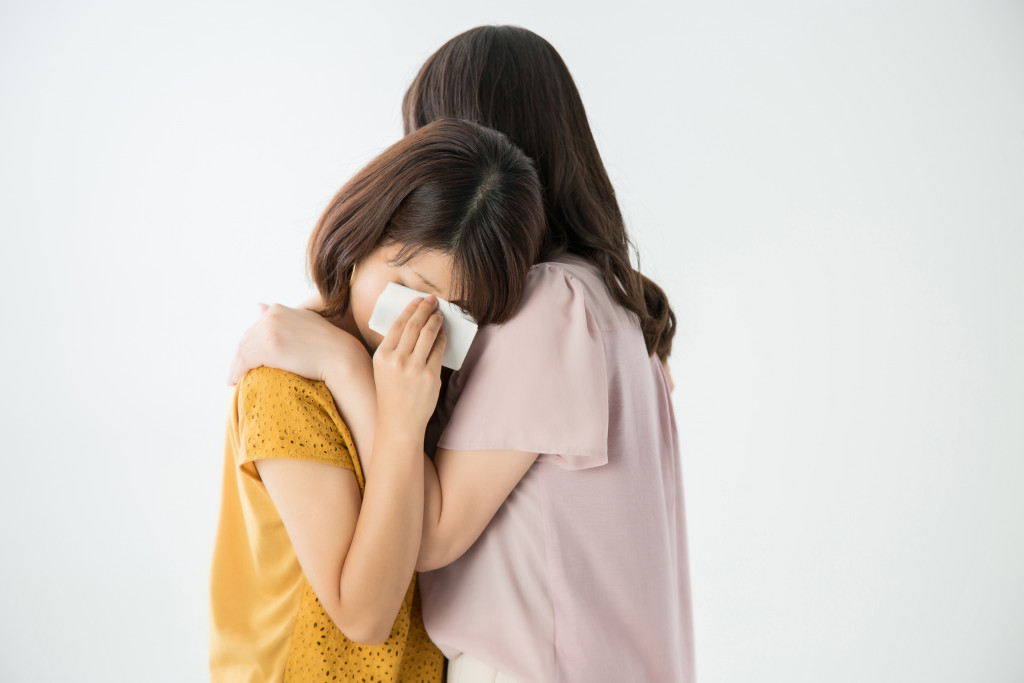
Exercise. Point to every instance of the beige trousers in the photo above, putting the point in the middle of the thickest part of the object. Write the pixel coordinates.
(466, 669)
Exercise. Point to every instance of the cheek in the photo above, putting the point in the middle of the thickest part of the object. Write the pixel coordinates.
(362, 298)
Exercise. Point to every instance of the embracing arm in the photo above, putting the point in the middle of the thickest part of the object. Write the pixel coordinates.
(463, 491)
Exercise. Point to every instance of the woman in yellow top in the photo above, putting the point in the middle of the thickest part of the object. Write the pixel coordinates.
(313, 568)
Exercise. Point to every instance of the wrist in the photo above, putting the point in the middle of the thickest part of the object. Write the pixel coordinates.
(399, 436)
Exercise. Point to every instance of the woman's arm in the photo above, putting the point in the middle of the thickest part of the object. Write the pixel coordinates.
(463, 491)
(359, 559)
(319, 505)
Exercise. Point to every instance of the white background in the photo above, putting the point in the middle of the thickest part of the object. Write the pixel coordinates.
(832, 194)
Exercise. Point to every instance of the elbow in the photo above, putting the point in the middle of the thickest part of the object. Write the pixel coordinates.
(424, 564)
(433, 556)
(427, 559)
(368, 634)
(427, 563)
(363, 629)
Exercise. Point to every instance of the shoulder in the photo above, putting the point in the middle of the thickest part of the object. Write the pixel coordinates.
(566, 292)
(551, 302)
(554, 321)
(283, 415)
(545, 367)
(269, 390)
(548, 286)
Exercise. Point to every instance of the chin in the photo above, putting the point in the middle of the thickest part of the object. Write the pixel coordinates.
(371, 339)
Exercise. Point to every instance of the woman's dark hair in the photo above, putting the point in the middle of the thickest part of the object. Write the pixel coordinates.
(512, 80)
(452, 187)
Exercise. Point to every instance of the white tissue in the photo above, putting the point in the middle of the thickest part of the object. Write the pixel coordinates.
(458, 325)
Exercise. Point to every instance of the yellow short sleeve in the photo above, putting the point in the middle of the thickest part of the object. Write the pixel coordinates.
(266, 621)
(283, 415)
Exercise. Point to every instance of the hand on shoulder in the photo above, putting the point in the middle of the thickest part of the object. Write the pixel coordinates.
(299, 341)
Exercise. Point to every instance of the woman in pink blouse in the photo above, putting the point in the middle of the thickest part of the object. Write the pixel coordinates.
(554, 537)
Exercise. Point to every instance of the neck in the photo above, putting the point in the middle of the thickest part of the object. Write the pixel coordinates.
(347, 322)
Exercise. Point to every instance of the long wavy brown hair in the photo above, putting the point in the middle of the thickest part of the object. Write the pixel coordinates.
(453, 187)
(512, 80)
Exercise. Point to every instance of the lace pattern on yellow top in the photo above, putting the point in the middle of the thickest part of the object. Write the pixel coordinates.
(282, 415)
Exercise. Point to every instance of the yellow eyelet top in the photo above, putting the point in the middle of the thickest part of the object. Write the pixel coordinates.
(266, 622)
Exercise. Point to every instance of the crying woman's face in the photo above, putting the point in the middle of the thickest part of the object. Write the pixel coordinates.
(429, 272)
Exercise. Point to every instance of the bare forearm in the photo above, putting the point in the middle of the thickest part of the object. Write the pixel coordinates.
(431, 552)
(385, 545)
(462, 492)
(386, 540)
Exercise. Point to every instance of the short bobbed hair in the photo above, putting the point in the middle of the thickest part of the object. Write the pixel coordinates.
(452, 187)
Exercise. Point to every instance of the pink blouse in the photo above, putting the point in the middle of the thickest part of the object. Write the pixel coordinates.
(582, 575)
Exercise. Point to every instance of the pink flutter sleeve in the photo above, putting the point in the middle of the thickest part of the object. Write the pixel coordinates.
(536, 383)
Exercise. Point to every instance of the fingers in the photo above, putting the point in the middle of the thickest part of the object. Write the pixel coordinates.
(251, 340)
(248, 346)
(415, 326)
(394, 334)
(233, 372)
(415, 332)
(238, 366)
(437, 352)
(431, 331)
